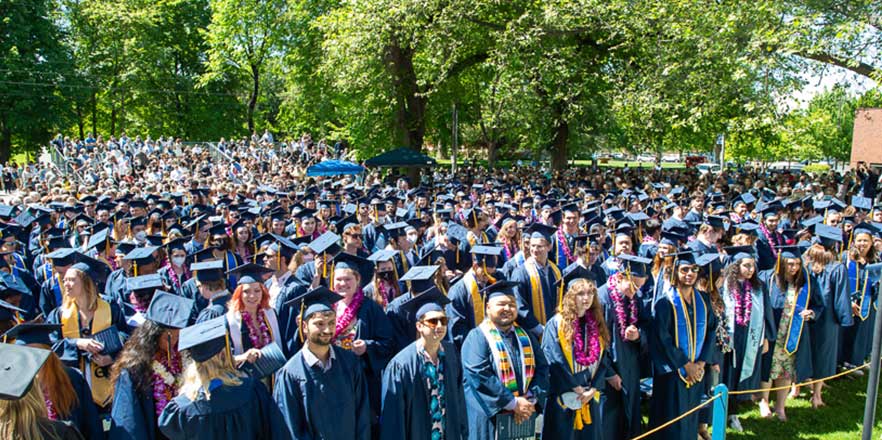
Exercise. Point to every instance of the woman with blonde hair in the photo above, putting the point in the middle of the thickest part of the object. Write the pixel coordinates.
(86, 320)
(65, 391)
(23, 412)
(575, 343)
(510, 237)
(215, 399)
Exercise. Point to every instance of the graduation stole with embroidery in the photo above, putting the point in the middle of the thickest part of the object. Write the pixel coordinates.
(583, 415)
(502, 361)
(796, 320)
(854, 285)
(471, 285)
(564, 254)
(688, 335)
(536, 289)
(102, 388)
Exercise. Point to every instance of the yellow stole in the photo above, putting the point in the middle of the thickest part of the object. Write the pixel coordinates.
(477, 303)
(583, 415)
(102, 389)
(536, 289)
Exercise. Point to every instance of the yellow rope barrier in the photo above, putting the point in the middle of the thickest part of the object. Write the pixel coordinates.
(843, 373)
(681, 416)
(735, 393)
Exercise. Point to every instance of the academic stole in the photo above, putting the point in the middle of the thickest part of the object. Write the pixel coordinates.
(536, 289)
(477, 303)
(564, 254)
(583, 415)
(56, 289)
(102, 388)
(854, 285)
(694, 332)
(230, 258)
(794, 332)
(501, 359)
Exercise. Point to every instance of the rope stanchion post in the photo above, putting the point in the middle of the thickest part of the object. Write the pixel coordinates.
(721, 411)
(873, 382)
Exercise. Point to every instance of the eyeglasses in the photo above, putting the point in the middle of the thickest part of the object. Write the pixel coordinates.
(693, 269)
(435, 322)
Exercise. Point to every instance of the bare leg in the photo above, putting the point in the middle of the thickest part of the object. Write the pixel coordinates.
(817, 390)
(781, 398)
(764, 400)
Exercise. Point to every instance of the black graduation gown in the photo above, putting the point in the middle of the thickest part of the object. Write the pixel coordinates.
(485, 394)
(406, 397)
(558, 422)
(825, 329)
(84, 415)
(670, 397)
(804, 349)
(234, 412)
(620, 410)
(55, 429)
(132, 415)
(328, 405)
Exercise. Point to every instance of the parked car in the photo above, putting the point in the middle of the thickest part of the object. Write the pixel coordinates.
(705, 168)
(646, 158)
(671, 157)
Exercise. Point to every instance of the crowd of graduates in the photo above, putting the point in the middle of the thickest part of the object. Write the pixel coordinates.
(480, 305)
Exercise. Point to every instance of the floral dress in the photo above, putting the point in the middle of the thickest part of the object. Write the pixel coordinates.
(783, 364)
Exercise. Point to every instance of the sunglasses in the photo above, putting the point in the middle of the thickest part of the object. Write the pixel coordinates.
(693, 269)
(435, 322)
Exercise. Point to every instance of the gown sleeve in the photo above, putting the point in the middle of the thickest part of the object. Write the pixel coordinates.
(666, 355)
(558, 367)
(288, 396)
(127, 412)
(479, 377)
(841, 297)
(395, 398)
(173, 420)
(539, 384)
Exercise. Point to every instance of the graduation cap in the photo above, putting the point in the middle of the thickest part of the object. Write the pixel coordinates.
(6, 211)
(382, 255)
(865, 228)
(250, 273)
(141, 256)
(126, 246)
(18, 367)
(7, 311)
(11, 285)
(430, 300)
(828, 235)
(421, 277)
(499, 288)
(32, 333)
(396, 230)
(457, 233)
(717, 221)
(325, 243)
(169, 310)
(487, 255)
(684, 258)
(177, 243)
(741, 252)
(283, 246)
(320, 299)
(745, 198)
(206, 339)
(208, 271)
(636, 266)
(789, 251)
(144, 284)
(710, 264)
(543, 231)
(304, 214)
(62, 257)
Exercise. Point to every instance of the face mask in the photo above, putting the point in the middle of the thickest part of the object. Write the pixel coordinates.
(385, 275)
(178, 261)
(141, 236)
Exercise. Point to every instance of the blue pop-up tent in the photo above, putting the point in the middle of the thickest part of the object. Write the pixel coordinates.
(334, 168)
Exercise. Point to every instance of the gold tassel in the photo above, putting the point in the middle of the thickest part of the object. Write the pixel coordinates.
(135, 267)
(301, 320)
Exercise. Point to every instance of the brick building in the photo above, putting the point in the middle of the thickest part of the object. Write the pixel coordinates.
(866, 144)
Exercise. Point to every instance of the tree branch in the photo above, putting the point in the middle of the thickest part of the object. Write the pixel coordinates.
(460, 66)
(861, 68)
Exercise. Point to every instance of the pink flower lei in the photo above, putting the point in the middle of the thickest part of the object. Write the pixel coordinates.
(166, 379)
(743, 302)
(588, 358)
(772, 243)
(562, 239)
(624, 319)
(259, 334)
(173, 275)
(350, 313)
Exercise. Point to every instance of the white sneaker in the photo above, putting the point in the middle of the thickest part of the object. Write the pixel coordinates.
(735, 424)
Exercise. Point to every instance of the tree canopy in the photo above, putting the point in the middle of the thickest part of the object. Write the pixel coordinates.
(555, 79)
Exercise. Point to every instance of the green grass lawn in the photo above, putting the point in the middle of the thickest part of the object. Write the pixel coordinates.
(841, 419)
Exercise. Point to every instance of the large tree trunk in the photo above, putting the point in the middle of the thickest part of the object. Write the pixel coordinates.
(5, 143)
(559, 141)
(493, 152)
(94, 114)
(81, 124)
(410, 121)
(112, 119)
(252, 100)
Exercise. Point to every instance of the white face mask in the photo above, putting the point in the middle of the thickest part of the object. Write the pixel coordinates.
(178, 261)
(141, 236)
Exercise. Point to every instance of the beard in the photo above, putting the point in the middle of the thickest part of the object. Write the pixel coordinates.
(503, 320)
(321, 339)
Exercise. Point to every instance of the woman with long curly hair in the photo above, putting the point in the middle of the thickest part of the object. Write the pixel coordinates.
(67, 395)
(24, 416)
(862, 289)
(148, 373)
(575, 344)
(510, 238)
(253, 322)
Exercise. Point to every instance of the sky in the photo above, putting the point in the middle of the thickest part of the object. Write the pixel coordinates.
(820, 81)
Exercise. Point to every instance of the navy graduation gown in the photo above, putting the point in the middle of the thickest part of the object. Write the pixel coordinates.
(51, 295)
(825, 329)
(403, 323)
(66, 348)
(460, 313)
(406, 397)
(84, 415)
(115, 286)
(670, 397)
(733, 362)
(857, 339)
(558, 422)
(485, 394)
(189, 290)
(217, 307)
(620, 409)
(328, 405)
(804, 349)
(132, 415)
(374, 237)
(526, 315)
(234, 412)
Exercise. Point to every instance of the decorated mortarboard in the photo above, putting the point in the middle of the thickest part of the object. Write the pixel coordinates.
(320, 299)
(208, 271)
(144, 283)
(421, 277)
(18, 367)
(741, 252)
(543, 231)
(487, 255)
(499, 288)
(382, 255)
(636, 266)
(169, 310)
(429, 300)
(141, 255)
(32, 333)
(62, 257)
(250, 273)
(205, 340)
(325, 243)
